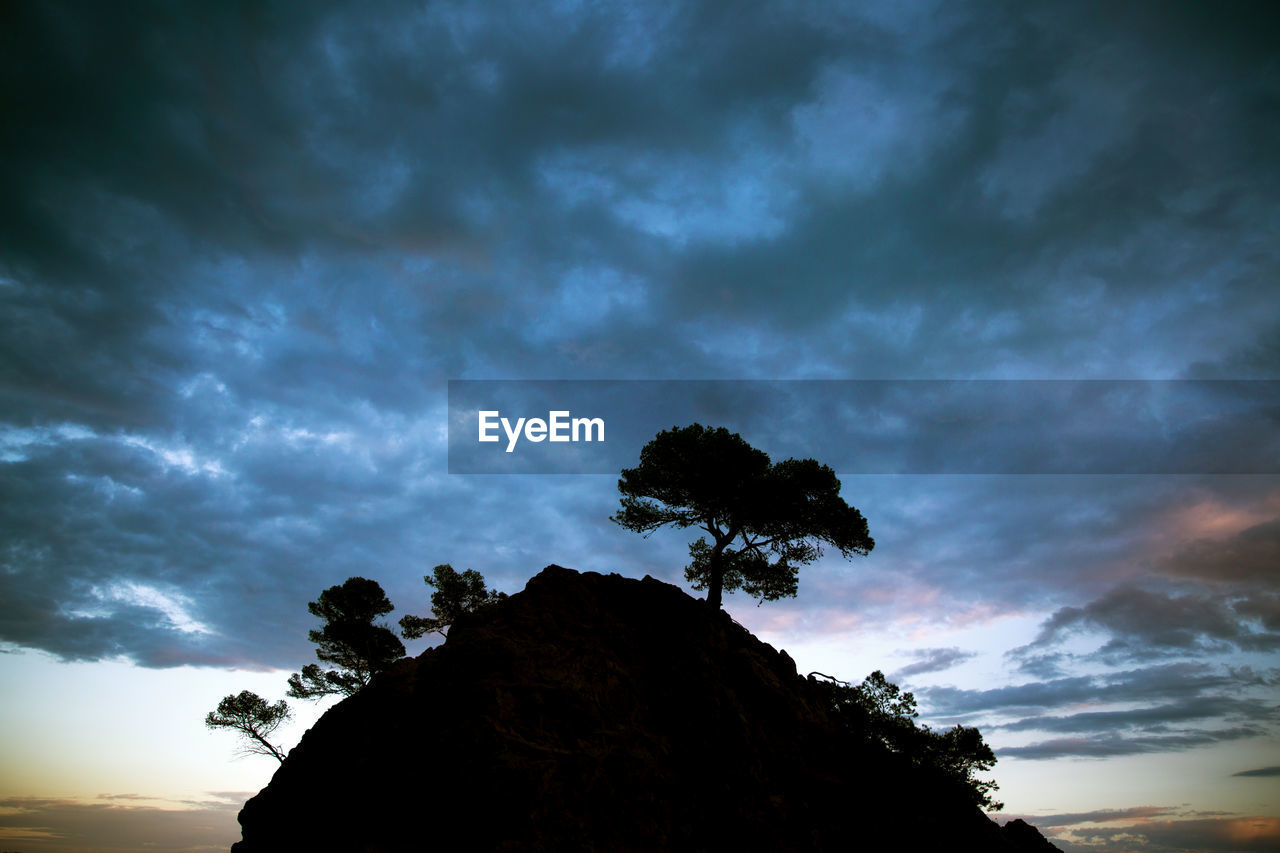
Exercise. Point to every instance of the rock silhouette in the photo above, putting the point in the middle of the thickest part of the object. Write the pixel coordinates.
(597, 713)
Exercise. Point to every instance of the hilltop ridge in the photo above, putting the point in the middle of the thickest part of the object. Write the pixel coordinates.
(598, 713)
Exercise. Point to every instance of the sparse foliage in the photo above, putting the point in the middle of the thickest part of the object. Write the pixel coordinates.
(349, 639)
(455, 593)
(878, 712)
(765, 519)
(254, 718)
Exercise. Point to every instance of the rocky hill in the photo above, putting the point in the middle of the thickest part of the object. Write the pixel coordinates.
(598, 713)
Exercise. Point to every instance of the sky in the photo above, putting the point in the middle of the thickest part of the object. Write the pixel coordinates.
(245, 247)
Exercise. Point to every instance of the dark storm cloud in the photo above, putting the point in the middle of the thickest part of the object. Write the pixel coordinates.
(435, 134)
(1175, 706)
(1195, 708)
(1262, 606)
(1017, 544)
(1162, 708)
(1110, 744)
(932, 660)
(1259, 772)
(1062, 172)
(1210, 596)
(111, 548)
(416, 141)
(242, 248)
(1142, 623)
(1178, 681)
(1253, 554)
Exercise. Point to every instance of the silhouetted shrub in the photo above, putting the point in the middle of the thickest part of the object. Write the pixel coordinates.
(878, 713)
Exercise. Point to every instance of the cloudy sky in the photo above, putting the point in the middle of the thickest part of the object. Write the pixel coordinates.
(245, 247)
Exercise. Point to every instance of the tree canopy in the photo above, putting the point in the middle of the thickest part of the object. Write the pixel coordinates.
(254, 718)
(765, 519)
(349, 639)
(878, 712)
(455, 593)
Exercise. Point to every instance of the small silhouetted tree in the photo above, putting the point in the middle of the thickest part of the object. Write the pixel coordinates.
(349, 639)
(765, 519)
(455, 593)
(878, 712)
(878, 707)
(960, 754)
(254, 718)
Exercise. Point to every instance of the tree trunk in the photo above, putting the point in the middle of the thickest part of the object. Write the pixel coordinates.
(716, 581)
